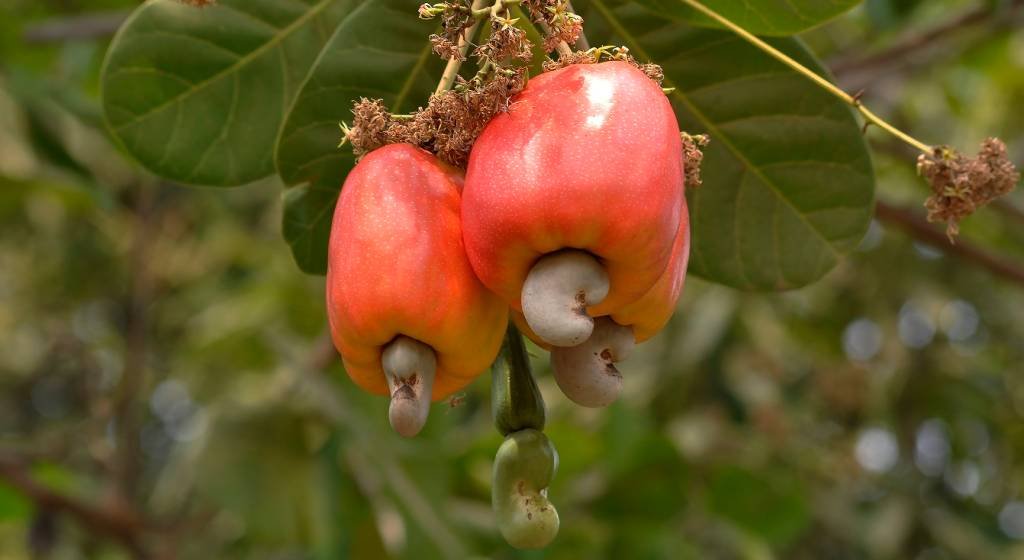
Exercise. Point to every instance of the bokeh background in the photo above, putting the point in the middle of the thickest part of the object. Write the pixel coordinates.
(166, 389)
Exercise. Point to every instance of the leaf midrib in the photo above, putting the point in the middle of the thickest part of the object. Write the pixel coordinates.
(242, 61)
(287, 134)
(710, 126)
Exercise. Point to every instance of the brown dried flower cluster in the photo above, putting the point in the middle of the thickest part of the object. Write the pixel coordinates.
(452, 120)
(597, 54)
(506, 42)
(373, 126)
(960, 185)
(456, 17)
(450, 123)
(448, 126)
(556, 19)
(693, 157)
(198, 3)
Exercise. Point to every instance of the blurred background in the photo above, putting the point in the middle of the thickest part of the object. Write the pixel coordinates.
(166, 390)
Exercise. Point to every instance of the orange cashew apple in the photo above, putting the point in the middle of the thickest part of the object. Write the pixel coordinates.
(574, 196)
(406, 311)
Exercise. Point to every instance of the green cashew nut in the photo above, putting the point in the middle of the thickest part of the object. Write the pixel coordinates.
(515, 400)
(523, 469)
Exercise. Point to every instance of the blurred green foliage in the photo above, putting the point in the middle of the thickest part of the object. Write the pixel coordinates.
(876, 414)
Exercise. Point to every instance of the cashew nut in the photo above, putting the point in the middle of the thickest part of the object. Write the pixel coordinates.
(409, 366)
(556, 294)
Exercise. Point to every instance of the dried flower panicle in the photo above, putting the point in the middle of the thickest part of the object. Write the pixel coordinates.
(455, 118)
(456, 17)
(653, 71)
(198, 3)
(451, 122)
(373, 126)
(577, 57)
(558, 21)
(960, 185)
(445, 47)
(597, 54)
(693, 157)
(507, 42)
(448, 126)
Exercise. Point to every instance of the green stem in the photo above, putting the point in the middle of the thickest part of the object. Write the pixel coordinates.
(828, 86)
(515, 399)
(481, 74)
(480, 13)
(563, 48)
(451, 70)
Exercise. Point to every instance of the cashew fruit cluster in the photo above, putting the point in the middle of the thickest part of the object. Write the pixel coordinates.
(571, 213)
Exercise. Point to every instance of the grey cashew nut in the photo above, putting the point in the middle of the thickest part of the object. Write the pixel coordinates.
(586, 373)
(409, 366)
(556, 294)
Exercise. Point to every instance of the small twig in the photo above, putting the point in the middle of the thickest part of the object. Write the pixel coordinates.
(914, 224)
(911, 43)
(77, 28)
(1004, 205)
(499, 5)
(563, 48)
(451, 70)
(809, 74)
(1008, 209)
(122, 525)
(127, 414)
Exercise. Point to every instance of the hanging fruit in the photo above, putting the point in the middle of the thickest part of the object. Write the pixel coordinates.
(408, 315)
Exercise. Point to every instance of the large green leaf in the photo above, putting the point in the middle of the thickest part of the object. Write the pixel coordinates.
(198, 95)
(764, 17)
(769, 504)
(788, 180)
(380, 50)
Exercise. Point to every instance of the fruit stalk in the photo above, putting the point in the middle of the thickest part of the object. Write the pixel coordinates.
(516, 401)
(451, 70)
(828, 86)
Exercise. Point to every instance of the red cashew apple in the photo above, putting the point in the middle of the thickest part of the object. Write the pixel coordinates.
(650, 313)
(573, 197)
(587, 372)
(406, 311)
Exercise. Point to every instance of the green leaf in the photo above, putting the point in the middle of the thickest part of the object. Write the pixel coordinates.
(13, 505)
(198, 95)
(788, 180)
(306, 225)
(763, 17)
(278, 463)
(769, 504)
(380, 50)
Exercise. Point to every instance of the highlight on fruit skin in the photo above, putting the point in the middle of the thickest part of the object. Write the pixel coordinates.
(588, 158)
(397, 268)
